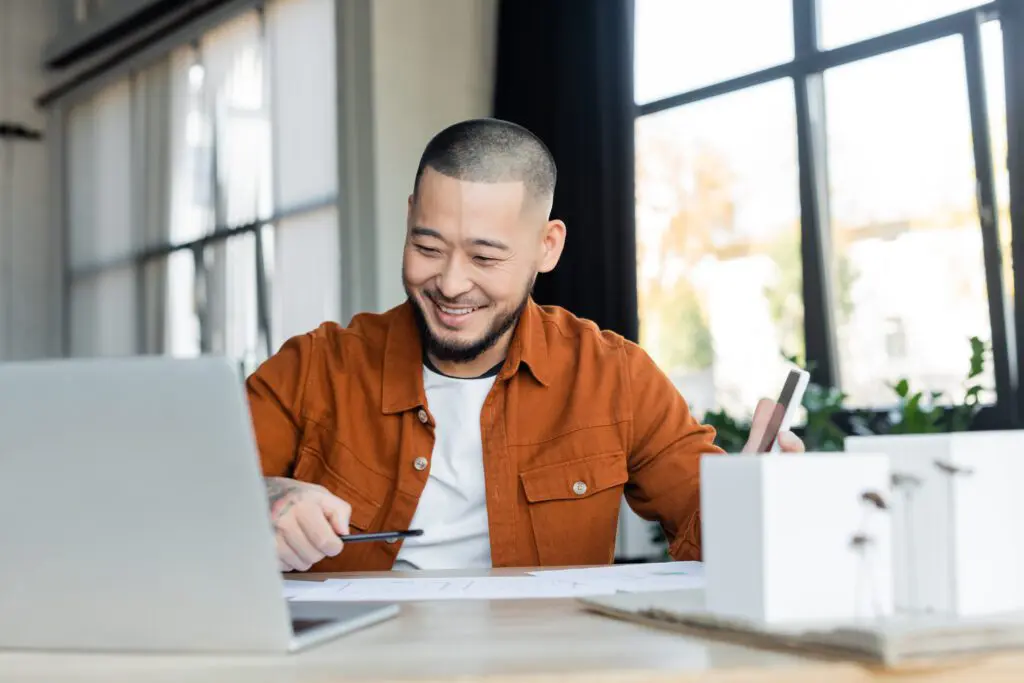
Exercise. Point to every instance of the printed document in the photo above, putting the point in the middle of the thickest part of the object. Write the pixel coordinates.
(557, 583)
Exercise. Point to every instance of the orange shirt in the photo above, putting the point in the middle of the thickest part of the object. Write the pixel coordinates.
(576, 418)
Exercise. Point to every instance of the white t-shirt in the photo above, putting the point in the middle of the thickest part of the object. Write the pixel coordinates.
(452, 509)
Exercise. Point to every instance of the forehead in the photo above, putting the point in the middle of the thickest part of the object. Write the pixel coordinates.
(463, 207)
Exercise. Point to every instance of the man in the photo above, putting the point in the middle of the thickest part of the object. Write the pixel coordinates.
(506, 431)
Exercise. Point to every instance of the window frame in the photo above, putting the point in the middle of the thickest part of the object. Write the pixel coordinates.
(806, 70)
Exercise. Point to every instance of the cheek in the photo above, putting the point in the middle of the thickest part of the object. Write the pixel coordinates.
(417, 269)
(503, 286)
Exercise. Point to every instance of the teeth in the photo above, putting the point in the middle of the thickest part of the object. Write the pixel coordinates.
(456, 311)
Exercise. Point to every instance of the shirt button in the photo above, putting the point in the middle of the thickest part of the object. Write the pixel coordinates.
(422, 415)
(420, 463)
(579, 488)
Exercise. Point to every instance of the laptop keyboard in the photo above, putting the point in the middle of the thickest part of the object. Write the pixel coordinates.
(300, 626)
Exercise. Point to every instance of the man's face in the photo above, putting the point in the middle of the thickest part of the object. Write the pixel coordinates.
(472, 253)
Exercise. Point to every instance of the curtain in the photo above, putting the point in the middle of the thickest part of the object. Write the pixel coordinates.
(565, 71)
(103, 304)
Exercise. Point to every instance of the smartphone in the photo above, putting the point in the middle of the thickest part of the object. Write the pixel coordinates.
(789, 402)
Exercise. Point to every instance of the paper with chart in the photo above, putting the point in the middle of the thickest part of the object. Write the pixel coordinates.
(560, 583)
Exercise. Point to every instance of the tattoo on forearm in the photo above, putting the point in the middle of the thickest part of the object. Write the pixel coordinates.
(278, 490)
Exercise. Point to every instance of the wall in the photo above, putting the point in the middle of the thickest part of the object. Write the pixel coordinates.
(29, 275)
(433, 65)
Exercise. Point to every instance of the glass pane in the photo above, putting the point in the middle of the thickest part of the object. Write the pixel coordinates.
(847, 21)
(182, 333)
(685, 44)
(191, 150)
(305, 267)
(220, 131)
(718, 243)
(104, 314)
(236, 99)
(231, 300)
(908, 280)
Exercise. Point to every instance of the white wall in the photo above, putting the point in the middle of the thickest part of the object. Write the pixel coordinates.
(433, 65)
(29, 274)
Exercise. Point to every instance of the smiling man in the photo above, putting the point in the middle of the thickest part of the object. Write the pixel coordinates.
(508, 432)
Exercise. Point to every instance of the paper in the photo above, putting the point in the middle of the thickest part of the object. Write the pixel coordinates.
(554, 583)
(683, 573)
(293, 589)
(475, 588)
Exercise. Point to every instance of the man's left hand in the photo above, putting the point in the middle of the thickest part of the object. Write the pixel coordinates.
(788, 441)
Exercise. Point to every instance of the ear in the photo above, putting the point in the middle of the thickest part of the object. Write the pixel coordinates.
(552, 243)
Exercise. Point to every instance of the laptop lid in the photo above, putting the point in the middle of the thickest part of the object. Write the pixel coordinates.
(134, 510)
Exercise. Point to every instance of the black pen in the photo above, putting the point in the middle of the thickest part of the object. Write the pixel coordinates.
(381, 536)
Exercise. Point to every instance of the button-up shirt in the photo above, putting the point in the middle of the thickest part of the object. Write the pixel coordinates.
(577, 417)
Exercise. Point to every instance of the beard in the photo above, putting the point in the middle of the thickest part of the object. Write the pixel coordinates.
(463, 352)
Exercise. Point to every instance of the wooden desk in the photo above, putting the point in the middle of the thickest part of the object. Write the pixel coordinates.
(503, 642)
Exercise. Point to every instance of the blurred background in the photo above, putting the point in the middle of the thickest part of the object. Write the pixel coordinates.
(747, 184)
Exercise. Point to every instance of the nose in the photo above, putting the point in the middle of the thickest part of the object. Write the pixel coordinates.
(453, 281)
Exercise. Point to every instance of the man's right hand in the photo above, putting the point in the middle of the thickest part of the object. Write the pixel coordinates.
(307, 520)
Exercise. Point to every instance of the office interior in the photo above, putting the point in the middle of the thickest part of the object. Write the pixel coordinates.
(745, 184)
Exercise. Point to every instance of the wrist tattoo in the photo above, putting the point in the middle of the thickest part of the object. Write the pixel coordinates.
(278, 490)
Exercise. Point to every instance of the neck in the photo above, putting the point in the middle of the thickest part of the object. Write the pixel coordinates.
(479, 365)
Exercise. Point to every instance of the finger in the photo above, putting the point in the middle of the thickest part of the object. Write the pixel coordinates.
(286, 556)
(319, 532)
(294, 535)
(790, 443)
(338, 513)
(762, 417)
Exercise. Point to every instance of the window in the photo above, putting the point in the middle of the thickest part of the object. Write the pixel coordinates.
(718, 218)
(682, 45)
(905, 229)
(829, 205)
(847, 21)
(202, 193)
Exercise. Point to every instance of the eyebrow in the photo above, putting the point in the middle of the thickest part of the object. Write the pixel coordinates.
(420, 231)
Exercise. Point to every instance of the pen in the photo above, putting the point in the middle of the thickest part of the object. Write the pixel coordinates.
(381, 536)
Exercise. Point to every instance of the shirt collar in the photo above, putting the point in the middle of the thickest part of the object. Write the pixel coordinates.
(403, 357)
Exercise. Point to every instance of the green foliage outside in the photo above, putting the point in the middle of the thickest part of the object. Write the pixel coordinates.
(915, 412)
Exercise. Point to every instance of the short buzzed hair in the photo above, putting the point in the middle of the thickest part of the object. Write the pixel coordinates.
(490, 151)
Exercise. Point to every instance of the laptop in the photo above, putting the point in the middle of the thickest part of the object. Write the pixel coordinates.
(135, 515)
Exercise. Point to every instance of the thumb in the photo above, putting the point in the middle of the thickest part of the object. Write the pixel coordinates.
(337, 512)
(759, 424)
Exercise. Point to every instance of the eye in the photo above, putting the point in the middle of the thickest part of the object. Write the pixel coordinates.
(484, 260)
(428, 251)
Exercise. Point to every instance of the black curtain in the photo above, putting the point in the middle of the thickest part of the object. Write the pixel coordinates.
(565, 72)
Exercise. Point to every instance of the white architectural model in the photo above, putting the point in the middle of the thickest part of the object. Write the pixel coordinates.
(958, 520)
(790, 538)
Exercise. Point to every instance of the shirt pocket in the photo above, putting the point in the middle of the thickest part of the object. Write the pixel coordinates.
(311, 467)
(574, 508)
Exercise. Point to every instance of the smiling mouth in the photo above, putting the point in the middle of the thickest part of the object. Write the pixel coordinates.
(454, 310)
(453, 316)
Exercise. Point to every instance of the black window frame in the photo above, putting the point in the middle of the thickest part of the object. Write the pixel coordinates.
(806, 70)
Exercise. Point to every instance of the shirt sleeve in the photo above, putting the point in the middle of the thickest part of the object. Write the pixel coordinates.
(664, 460)
(276, 391)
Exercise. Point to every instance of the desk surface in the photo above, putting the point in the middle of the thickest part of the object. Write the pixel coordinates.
(500, 641)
